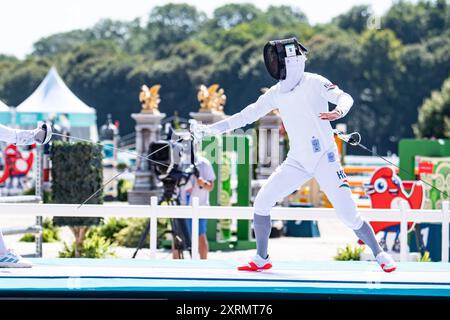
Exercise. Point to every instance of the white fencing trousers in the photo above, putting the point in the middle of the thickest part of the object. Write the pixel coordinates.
(290, 175)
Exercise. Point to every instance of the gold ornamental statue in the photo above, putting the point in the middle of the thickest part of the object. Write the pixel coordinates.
(212, 99)
(149, 98)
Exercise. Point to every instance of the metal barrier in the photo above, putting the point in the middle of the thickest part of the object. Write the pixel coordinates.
(37, 198)
(155, 211)
(21, 230)
(34, 229)
(20, 199)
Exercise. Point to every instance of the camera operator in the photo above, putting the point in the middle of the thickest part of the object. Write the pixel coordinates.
(199, 185)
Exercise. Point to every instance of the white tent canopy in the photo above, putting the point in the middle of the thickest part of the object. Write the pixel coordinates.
(53, 96)
(3, 107)
(5, 114)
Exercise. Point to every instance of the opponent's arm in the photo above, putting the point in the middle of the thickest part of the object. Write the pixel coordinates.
(7, 134)
(333, 94)
(41, 134)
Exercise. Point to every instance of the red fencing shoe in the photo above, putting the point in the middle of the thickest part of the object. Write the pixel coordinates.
(257, 264)
(386, 262)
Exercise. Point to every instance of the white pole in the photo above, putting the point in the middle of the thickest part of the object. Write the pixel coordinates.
(403, 231)
(153, 228)
(194, 243)
(39, 192)
(445, 231)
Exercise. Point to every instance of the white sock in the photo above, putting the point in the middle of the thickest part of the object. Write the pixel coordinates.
(3, 248)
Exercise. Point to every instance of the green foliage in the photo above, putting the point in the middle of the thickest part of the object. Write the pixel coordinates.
(49, 233)
(434, 114)
(130, 235)
(77, 173)
(28, 237)
(110, 229)
(47, 196)
(414, 22)
(355, 19)
(349, 253)
(283, 16)
(92, 247)
(123, 186)
(425, 258)
(121, 166)
(389, 72)
(61, 43)
(68, 251)
(172, 22)
(230, 15)
(19, 80)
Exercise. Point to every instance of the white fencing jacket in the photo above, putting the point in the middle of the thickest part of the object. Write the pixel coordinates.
(309, 136)
(17, 136)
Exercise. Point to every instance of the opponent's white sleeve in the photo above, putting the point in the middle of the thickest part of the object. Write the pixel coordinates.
(248, 115)
(17, 136)
(333, 94)
(7, 134)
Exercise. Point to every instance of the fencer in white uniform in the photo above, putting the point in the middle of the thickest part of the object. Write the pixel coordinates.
(41, 135)
(302, 100)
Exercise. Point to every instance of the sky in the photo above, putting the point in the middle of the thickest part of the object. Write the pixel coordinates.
(23, 22)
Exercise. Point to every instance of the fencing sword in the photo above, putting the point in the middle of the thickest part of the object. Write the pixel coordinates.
(354, 139)
(113, 148)
(146, 157)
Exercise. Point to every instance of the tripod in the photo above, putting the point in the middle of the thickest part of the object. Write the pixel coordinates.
(180, 234)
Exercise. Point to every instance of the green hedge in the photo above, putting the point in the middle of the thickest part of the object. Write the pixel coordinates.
(77, 173)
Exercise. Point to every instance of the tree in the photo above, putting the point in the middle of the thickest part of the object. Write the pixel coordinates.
(171, 24)
(231, 15)
(355, 19)
(337, 59)
(98, 75)
(425, 66)
(7, 63)
(21, 79)
(381, 71)
(434, 114)
(388, 72)
(127, 35)
(414, 22)
(61, 43)
(281, 16)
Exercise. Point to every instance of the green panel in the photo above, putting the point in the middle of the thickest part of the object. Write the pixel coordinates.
(241, 145)
(208, 144)
(244, 168)
(409, 148)
(215, 147)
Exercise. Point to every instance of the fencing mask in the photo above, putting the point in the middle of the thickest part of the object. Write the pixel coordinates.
(285, 61)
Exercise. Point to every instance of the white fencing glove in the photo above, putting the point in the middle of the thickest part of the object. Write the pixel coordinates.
(200, 130)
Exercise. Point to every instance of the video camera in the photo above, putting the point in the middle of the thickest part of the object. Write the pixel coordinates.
(173, 160)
